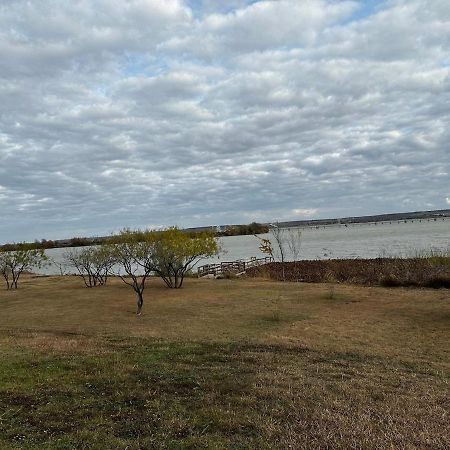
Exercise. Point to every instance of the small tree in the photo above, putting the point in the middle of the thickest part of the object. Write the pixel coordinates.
(175, 253)
(14, 263)
(294, 242)
(93, 264)
(132, 254)
(287, 244)
(265, 246)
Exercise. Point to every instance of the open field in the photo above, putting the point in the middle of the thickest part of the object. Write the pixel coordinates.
(224, 364)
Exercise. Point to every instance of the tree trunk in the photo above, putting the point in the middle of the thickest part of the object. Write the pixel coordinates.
(15, 280)
(140, 303)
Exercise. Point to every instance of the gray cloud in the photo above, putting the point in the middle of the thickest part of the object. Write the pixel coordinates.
(154, 112)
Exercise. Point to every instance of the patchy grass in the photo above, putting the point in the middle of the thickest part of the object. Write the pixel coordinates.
(223, 364)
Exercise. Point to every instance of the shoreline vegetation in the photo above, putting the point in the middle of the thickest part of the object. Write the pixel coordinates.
(229, 230)
(241, 230)
(429, 271)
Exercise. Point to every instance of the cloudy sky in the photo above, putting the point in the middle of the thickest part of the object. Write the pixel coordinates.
(141, 113)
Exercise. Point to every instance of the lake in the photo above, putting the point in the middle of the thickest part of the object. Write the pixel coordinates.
(369, 240)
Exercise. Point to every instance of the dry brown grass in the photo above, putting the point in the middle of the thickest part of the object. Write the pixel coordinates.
(395, 322)
(224, 364)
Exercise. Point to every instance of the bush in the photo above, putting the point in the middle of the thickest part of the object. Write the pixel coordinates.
(390, 281)
(390, 272)
(438, 282)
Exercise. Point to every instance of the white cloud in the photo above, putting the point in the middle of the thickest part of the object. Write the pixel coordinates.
(202, 114)
(304, 212)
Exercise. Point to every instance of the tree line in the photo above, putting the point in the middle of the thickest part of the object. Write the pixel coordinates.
(239, 230)
(231, 230)
(46, 244)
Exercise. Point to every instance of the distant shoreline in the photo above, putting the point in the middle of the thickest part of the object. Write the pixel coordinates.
(434, 214)
(442, 213)
(221, 230)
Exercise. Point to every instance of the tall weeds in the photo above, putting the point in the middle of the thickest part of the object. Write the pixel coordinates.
(422, 269)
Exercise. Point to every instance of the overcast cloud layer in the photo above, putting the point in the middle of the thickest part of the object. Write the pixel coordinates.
(140, 113)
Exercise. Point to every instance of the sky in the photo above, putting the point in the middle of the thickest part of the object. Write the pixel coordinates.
(149, 113)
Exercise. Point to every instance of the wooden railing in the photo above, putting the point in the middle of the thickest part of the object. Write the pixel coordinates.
(236, 267)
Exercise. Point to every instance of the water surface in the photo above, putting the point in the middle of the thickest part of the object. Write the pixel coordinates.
(399, 238)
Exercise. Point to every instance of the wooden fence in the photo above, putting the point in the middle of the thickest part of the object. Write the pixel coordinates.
(236, 267)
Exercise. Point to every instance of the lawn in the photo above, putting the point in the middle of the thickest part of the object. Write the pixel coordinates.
(223, 364)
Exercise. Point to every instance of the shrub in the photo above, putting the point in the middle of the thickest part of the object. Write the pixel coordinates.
(417, 271)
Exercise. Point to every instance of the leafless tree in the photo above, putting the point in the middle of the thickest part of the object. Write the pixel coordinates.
(294, 241)
(287, 244)
(93, 264)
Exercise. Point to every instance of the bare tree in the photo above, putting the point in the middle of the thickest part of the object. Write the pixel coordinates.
(61, 265)
(280, 248)
(287, 244)
(294, 241)
(14, 263)
(103, 262)
(93, 264)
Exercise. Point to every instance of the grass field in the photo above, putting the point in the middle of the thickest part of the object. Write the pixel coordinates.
(223, 364)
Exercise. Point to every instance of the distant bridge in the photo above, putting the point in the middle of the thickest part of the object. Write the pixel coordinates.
(236, 267)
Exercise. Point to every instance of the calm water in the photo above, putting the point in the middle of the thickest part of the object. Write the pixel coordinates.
(337, 241)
